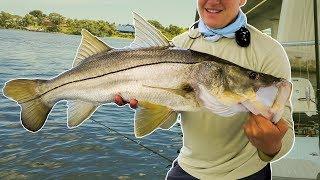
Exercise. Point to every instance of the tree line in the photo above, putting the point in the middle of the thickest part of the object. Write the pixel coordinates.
(36, 20)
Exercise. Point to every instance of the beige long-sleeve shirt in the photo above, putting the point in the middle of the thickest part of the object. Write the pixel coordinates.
(216, 147)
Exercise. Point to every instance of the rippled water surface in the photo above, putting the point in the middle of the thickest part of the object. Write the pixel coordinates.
(89, 151)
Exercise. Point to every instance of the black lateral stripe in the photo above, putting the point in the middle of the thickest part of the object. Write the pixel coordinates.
(169, 62)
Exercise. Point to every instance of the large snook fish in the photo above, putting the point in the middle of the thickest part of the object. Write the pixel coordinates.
(164, 79)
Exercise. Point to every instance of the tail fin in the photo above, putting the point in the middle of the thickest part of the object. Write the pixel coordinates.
(34, 111)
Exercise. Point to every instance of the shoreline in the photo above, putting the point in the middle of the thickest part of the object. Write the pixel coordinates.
(115, 37)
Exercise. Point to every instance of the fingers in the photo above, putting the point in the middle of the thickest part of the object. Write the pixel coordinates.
(282, 126)
(262, 122)
(133, 103)
(267, 126)
(252, 129)
(263, 134)
(120, 101)
(249, 131)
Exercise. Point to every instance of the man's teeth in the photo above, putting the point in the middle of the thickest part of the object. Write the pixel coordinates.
(213, 10)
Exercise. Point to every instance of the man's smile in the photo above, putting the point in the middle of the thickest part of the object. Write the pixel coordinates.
(213, 10)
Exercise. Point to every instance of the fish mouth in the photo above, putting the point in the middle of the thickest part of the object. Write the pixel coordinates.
(281, 83)
(273, 83)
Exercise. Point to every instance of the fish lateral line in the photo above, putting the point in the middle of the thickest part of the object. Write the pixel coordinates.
(94, 77)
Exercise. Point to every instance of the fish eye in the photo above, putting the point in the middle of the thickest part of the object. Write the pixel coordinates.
(253, 75)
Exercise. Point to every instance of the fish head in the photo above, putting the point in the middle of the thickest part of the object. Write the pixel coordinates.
(240, 84)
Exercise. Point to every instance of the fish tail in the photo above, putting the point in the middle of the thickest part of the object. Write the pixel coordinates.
(34, 110)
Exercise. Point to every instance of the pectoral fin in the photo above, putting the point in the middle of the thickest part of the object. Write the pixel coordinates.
(151, 116)
(170, 121)
(183, 90)
(79, 111)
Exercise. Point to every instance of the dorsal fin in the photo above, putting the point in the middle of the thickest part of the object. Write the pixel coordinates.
(146, 35)
(90, 45)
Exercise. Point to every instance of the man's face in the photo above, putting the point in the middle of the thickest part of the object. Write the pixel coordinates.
(219, 13)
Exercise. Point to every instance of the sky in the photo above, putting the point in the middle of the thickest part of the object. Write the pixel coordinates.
(177, 12)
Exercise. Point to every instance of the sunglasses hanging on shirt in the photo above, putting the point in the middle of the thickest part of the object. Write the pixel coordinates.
(242, 37)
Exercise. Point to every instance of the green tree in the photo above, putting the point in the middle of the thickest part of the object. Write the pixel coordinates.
(98, 28)
(71, 26)
(4, 17)
(39, 15)
(173, 31)
(13, 23)
(105, 28)
(156, 24)
(170, 31)
(29, 20)
(56, 21)
(8, 20)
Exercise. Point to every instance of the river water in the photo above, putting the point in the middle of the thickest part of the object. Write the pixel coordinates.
(89, 151)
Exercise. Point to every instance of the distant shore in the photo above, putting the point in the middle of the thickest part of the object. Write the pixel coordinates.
(37, 21)
(115, 37)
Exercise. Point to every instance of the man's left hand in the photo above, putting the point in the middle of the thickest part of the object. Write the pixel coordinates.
(265, 135)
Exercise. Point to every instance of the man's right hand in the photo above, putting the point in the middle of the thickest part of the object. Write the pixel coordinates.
(120, 101)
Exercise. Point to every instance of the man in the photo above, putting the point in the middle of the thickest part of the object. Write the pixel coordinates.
(240, 146)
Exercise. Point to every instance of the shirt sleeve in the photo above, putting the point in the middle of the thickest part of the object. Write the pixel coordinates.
(277, 63)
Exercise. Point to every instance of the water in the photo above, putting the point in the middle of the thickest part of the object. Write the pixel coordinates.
(89, 151)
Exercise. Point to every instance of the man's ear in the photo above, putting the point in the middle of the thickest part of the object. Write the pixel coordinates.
(242, 2)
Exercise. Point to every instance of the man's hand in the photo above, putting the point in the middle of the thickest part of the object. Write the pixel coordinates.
(265, 135)
(120, 101)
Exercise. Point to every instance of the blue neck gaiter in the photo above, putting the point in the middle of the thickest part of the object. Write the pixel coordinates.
(212, 34)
